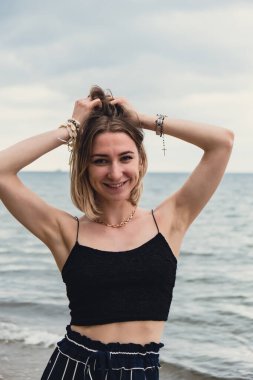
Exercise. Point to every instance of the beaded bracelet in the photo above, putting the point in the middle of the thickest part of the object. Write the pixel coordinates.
(75, 122)
(72, 127)
(159, 128)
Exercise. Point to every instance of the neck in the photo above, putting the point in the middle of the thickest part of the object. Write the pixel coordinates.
(116, 212)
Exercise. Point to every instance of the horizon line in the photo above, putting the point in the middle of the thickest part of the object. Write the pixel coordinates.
(148, 172)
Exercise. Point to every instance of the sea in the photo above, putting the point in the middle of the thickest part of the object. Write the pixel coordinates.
(209, 333)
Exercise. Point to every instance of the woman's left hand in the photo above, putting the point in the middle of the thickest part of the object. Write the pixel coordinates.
(130, 112)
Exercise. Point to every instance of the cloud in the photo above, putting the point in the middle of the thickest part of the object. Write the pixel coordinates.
(188, 59)
(60, 39)
(217, 41)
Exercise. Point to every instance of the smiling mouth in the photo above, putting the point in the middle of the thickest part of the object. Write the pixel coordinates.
(115, 185)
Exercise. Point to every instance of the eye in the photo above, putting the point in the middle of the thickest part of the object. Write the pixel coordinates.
(126, 158)
(100, 161)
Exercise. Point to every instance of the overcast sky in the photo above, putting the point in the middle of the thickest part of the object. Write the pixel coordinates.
(188, 59)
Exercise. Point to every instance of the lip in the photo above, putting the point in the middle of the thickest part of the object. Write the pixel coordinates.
(115, 186)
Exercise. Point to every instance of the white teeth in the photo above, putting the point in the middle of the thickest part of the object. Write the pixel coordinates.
(120, 184)
(116, 186)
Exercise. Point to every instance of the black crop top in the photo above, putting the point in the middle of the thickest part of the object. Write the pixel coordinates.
(134, 285)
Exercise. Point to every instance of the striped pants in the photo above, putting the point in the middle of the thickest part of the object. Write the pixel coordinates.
(77, 357)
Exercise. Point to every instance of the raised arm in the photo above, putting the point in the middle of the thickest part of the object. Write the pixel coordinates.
(216, 142)
(42, 219)
(27, 207)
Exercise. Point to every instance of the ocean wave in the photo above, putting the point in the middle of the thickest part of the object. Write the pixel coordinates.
(46, 305)
(10, 332)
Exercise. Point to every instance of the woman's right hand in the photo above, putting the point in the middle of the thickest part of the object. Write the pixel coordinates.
(83, 109)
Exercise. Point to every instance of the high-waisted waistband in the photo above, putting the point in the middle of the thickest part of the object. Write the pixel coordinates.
(95, 359)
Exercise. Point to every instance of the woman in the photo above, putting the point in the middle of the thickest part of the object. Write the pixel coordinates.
(118, 261)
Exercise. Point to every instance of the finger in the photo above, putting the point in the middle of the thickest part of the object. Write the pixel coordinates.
(121, 101)
(96, 103)
(116, 101)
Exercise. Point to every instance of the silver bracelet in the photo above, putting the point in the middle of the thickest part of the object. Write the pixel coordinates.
(159, 128)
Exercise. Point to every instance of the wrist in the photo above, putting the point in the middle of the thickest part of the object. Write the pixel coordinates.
(71, 128)
(148, 121)
(63, 134)
(81, 119)
(154, 123)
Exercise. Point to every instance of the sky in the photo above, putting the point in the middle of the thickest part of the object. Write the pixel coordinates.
(190, 60)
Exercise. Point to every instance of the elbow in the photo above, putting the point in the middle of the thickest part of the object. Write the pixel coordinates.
(229, 138)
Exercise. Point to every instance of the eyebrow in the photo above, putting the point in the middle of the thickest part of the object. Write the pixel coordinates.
(106, 155)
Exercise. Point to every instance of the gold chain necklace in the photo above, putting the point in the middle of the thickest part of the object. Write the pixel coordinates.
(121, 224)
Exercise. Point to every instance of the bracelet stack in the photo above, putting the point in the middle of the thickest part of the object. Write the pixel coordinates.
(159, 128)
(72, 127)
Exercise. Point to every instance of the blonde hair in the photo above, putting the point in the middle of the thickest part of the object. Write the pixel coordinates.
(109, 118)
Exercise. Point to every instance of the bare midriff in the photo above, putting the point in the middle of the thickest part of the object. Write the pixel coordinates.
(140, 332)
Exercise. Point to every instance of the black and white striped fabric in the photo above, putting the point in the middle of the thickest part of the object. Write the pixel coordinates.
(77, 357)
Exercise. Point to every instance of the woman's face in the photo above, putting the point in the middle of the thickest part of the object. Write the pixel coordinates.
(114, 166)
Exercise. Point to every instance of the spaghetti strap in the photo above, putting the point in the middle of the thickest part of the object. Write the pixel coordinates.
(155, 221)
(77, 228)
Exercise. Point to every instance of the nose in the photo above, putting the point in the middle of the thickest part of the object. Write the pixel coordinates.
(115, 171)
